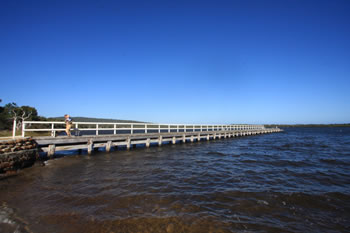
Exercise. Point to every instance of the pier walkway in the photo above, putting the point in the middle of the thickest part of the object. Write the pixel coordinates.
(94, 135)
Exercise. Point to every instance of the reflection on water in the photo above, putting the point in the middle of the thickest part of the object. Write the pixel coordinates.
(296, 181)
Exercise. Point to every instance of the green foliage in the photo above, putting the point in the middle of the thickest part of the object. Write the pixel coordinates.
(3, 120)
(12, 110)
(6, 115)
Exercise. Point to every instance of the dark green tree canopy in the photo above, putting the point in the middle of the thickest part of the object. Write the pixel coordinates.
(12, 110)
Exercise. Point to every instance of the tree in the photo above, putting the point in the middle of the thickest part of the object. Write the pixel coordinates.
(11, 112)
(2, 117)
(6, 115)
(19, 115)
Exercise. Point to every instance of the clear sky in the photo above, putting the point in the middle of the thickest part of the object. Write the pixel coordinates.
(179, 61)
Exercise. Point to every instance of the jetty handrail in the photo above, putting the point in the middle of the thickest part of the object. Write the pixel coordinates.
(135, 126)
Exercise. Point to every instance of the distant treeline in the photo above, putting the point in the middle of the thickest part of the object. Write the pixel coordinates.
(309, 125)
(91, 119)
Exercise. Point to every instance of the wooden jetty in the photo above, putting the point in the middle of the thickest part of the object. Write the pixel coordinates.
(107, 135)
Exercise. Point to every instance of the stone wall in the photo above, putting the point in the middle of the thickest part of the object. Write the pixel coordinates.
(16, 154)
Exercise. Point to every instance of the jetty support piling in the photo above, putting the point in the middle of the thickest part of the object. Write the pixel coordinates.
(128, 143)
(148, 142)
(108, 146)
(90, 146)
(51, 150)
(160, 140)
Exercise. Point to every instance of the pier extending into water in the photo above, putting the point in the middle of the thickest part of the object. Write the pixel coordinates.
(94, 135)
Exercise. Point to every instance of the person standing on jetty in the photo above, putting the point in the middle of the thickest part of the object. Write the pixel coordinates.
(69, 123)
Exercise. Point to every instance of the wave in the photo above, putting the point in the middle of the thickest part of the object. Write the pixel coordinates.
(11, 222)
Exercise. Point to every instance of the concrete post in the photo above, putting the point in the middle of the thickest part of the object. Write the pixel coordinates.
(128, 143)
(108, 146)
(90, 146)
(160, 140)
(51, 150)
(148, 142)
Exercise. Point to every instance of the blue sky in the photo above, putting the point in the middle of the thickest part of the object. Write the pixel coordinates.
(179, 61)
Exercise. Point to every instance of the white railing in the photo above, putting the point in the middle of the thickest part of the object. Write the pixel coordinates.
(129, 128)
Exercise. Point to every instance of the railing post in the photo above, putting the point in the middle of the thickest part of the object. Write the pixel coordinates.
(114, 128)
(76, 130)
(158, 128)
(193, 128)
(14, 128)
(96, 129)
(145, 128)
(201, 128)
(177, 128)
(132, 128)
(23, 129)
(184, 128)
(52, 130)
(168, 128)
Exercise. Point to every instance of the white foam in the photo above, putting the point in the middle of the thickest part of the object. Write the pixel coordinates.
(5, 217)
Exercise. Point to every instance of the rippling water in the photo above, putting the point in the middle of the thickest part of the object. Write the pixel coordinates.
(295, 181)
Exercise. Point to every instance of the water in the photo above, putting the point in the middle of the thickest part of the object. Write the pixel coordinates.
(295, 181)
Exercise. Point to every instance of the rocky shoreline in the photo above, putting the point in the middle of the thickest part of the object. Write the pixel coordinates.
(16, 154)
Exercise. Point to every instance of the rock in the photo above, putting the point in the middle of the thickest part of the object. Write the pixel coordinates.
(11, 172)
